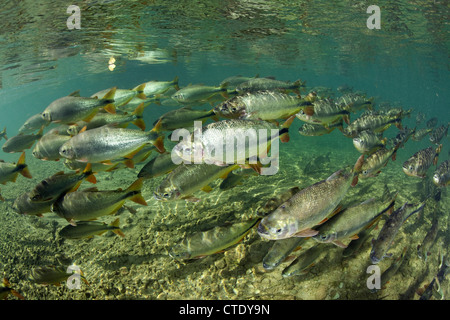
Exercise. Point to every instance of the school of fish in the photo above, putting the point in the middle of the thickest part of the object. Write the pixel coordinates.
(90, 135)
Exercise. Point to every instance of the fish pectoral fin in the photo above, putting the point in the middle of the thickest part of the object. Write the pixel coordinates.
(340, 244)
(192, 199)
(110, 108)
(119, 233)
(159, 144)
(133, 153)
(138, 198)
(93, 189)
(354, 237)
(207, 188)
(306, 233)
(129, 163)
(91, 116)
(256, 167)
(91, 178)
(75, 187)
(140, 124)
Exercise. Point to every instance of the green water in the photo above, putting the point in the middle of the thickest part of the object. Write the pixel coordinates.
(328, 44)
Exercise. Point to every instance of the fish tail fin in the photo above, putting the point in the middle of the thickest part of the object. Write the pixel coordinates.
(284, 131)
(109, 96)
(110, 108)
(300, 84)
(356, 169)
(4, 134)
(175, 83)
(157, 140)
(136, 187)
(436, 157)
(224, 90)
(140, 89)
(138, 198)
(358, 164)
(22, 167)
(157, 126)
(89, 174)
(139, 112)
(116, 225)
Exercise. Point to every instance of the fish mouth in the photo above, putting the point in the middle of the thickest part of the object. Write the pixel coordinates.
(374, 259)
(157, 196)
(264, 232)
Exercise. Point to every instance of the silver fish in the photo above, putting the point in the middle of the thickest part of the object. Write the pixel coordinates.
(108, 143)
(21, 142)
(309, 207)
(73, 108)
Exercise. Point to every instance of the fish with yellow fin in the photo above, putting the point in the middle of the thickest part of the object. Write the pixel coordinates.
(108, 143)
(73, 108)
(88, 229)
(60, 183)
(215, 240)
(122, 96)
(90, 204)
(187, 179)
(309, 207)
(10, 171)
(6, 290)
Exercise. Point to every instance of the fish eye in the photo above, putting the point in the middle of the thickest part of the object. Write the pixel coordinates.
(165, 195)
(365, 172)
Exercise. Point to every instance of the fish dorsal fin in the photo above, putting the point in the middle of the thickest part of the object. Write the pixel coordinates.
(207, 188)
(75, 94)
(306, 233)
(92, 189)
(335, 175)
(340, 244)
